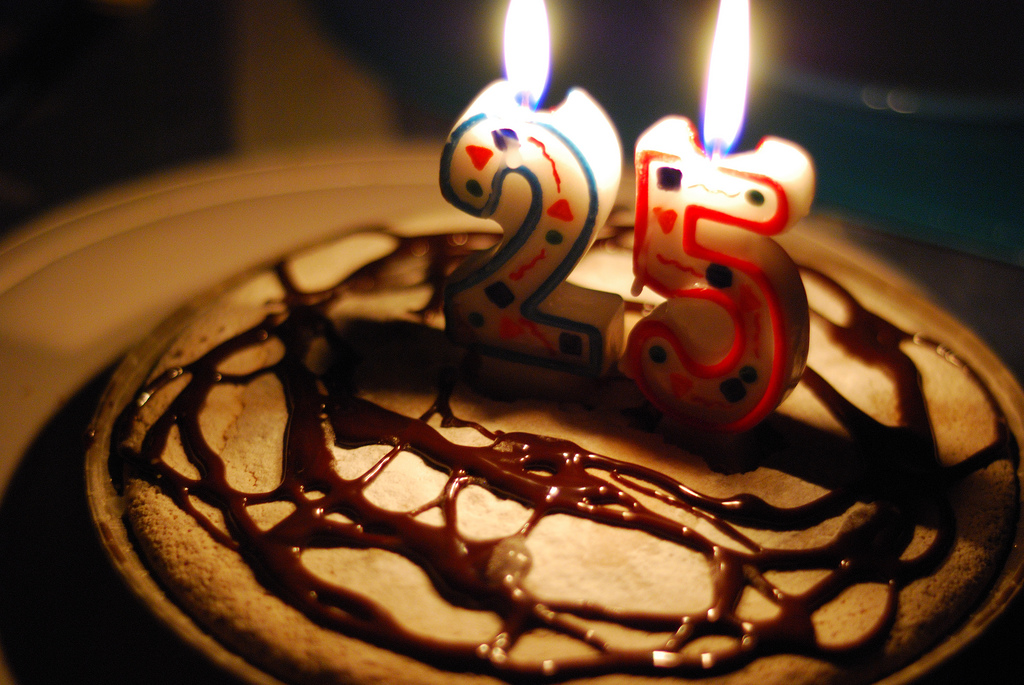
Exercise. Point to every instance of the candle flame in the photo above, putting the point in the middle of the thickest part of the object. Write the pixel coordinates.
(726, 96)
(527, 49)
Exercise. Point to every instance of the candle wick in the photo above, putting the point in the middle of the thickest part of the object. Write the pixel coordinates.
(716, 150)
(525, 99)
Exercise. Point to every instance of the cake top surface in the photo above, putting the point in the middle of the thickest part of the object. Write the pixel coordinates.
(567, 540)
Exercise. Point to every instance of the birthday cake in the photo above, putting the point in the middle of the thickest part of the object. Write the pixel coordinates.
(314, 478)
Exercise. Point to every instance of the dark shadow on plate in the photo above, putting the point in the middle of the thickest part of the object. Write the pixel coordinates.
(65, 615)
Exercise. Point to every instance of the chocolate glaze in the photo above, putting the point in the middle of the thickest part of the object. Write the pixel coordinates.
(900, 478)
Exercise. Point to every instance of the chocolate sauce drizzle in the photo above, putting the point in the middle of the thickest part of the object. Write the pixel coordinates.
(548, 475)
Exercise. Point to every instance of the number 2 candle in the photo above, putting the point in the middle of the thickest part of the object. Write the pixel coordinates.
(549, 178)
(730, 340)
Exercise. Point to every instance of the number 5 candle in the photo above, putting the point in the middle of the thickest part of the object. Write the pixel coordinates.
(549, 178)
(730, 341)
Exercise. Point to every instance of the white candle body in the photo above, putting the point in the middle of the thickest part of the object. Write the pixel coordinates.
(730, 341)
(549, 179)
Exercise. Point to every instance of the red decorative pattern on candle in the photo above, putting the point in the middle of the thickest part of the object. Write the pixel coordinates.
(521, 271)
(479, 155)
(561, 210)
(554, 167)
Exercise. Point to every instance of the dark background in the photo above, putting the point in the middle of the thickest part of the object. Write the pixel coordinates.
(912, 109)
(93, 94)
(99, 92)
